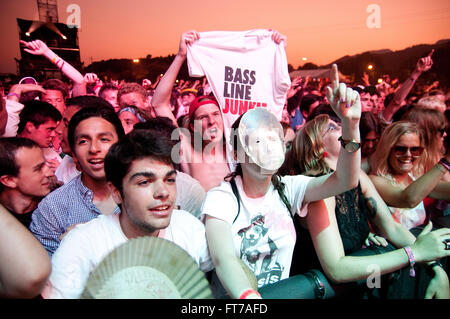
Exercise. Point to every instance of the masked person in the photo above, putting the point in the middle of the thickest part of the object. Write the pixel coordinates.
(254, 223)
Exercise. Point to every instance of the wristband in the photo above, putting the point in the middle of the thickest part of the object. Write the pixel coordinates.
(412, 261)
(248, 292)
(56, 59)
(319, 287)
(445, 163)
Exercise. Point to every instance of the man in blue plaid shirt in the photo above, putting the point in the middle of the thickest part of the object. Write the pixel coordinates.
(92, 131)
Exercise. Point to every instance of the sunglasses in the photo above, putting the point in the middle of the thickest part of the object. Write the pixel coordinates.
(402, 150)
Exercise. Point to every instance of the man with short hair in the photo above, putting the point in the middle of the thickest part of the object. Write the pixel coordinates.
(308, 103)
(366, 102)
(109, 91)
(190, 193)
(24, 177)
(141, 175)
(56, 93)
(38, 121)
(67, 169)
(208, 167)
(132, 94)
(91, 133)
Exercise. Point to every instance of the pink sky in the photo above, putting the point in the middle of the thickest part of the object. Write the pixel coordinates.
(322, 31)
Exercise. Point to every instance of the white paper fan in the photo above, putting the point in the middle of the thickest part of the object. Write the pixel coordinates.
(147, 268)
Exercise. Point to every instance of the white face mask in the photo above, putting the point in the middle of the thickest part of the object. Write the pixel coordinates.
(261, 135)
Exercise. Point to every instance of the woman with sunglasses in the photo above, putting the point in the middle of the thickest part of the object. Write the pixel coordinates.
(432, 123)
(333, 234)
(400, 176)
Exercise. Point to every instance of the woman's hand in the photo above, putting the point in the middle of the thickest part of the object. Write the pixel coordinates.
(438, 288)
(36, 47)
(345, 102)
(374, 239)
(430, 246)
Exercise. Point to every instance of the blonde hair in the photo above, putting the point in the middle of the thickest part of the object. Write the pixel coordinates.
(433, 103)
(430, 121)
(379, 161)
(132, 87)
(307, 153)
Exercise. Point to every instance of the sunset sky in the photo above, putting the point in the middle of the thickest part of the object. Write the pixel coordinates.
(321, 31)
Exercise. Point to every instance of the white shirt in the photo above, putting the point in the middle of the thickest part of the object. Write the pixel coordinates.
(84, 247)
(66, 170)
(410, 217)
(190, 194)
(263, 233)
(13, 108)
(248, 62)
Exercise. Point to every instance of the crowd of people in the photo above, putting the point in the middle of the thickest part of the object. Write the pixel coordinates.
(348, 176)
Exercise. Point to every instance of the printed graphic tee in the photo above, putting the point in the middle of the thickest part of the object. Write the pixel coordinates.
(245, 69)
(263, 233)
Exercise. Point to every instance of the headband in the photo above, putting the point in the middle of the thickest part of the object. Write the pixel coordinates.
(134, 112)
(197, 103)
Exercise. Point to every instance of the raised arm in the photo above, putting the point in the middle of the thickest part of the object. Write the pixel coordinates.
(14, 107)
(423, 65)
(346, 104)
(37, 47)
(161, 97)
(412, 195)
(18, 89)
(24, 263)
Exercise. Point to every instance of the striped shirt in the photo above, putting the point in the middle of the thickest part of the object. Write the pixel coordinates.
(68, 205)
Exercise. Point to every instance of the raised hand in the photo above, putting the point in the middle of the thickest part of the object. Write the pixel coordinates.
(424, 64)
(295, 87)
(187, 38)
(36, 47)
(146, 83)
(277, 37)
(196, 84)
(90, 78)
(365, 79)
(345, 102)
